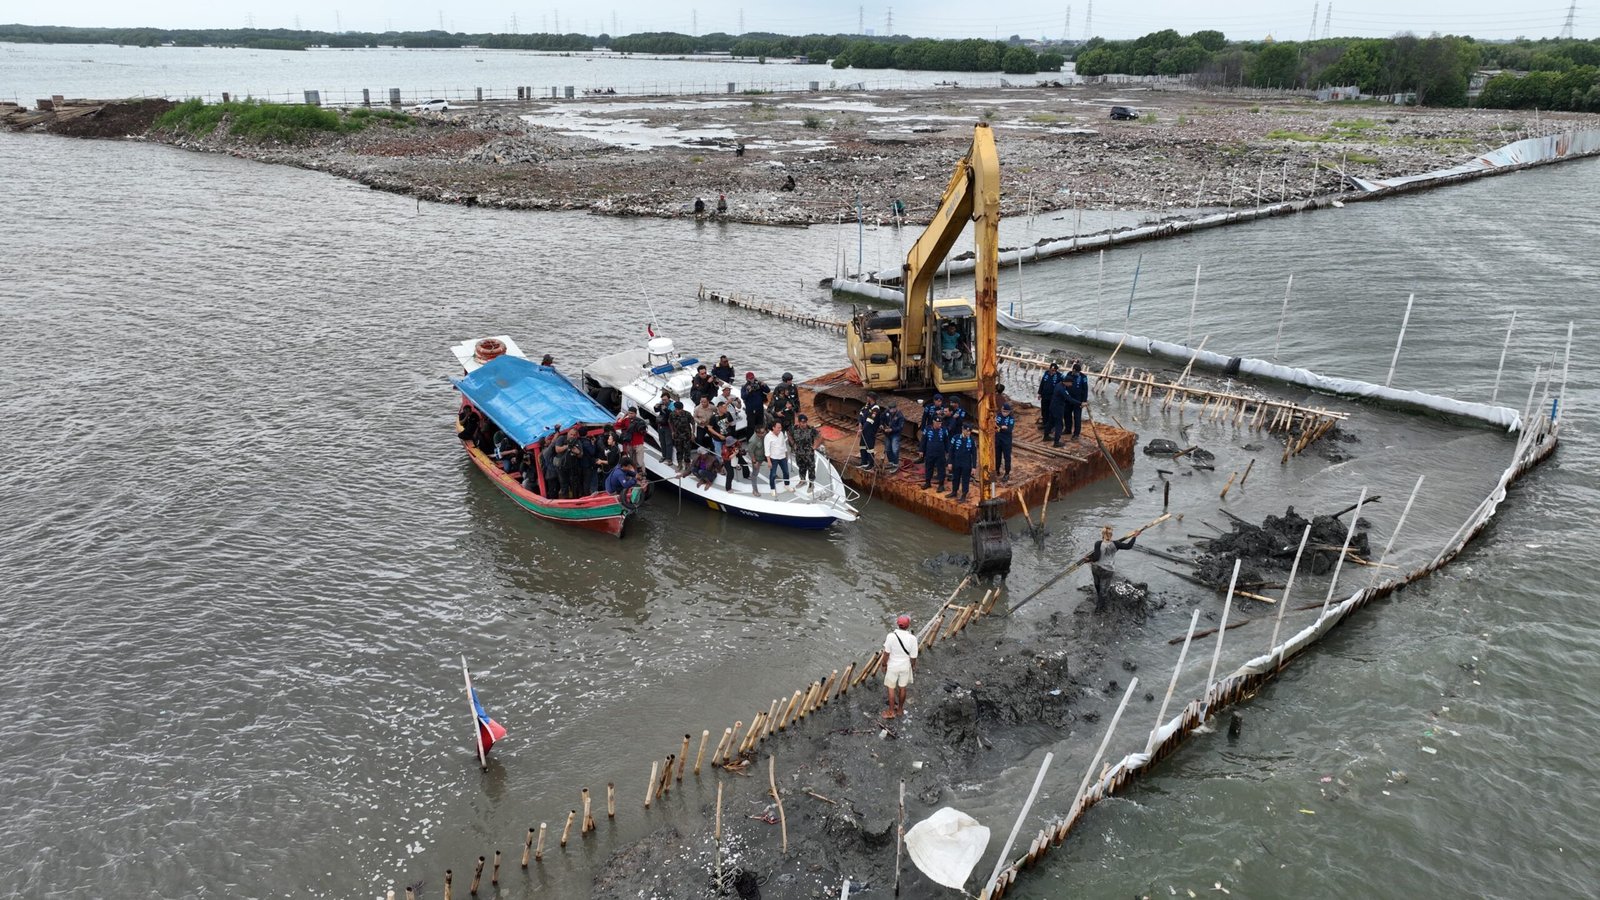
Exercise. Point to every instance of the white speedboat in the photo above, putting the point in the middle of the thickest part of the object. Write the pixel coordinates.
(637, 377)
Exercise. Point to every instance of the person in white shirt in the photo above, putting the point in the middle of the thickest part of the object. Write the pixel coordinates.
(741, 421)
(901, 648)
(776, 444)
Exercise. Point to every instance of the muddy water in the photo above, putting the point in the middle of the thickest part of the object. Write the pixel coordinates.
(242, 559)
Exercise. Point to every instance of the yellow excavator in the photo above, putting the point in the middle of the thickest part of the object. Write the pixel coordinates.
(948, 345)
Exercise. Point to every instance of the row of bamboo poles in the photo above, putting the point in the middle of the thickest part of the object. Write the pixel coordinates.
(737, 746)
(1301, 425)
(768, 308)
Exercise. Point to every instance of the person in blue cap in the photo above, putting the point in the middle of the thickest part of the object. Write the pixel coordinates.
(1005, 426)
(963, 453)
(933, 453)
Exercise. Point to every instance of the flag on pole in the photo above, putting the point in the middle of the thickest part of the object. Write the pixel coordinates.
(650, 329)
(485, 730)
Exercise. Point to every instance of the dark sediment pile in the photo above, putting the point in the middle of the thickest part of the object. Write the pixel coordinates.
(1272, 545)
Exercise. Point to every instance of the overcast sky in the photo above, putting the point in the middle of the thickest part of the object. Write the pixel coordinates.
(1251, 19)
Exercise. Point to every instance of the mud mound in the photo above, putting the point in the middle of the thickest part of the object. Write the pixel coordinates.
(126, 118)
(1272, 545)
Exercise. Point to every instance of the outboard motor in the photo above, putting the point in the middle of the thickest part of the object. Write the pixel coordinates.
(991, 542)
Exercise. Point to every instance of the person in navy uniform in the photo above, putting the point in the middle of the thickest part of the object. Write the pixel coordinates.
(1059, 401)
(933, 453)
(754, 393)
(932, 411)
(1005, 426)
(963, 453)
(1047, 393)
(868, 421)
(1077, 395)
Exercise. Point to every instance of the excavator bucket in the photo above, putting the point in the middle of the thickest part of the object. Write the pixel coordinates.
(991, 542)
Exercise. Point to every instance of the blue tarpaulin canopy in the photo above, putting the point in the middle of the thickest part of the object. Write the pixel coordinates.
(529, 402)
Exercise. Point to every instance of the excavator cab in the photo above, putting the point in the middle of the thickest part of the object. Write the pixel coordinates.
(954, 343)
(873, 342)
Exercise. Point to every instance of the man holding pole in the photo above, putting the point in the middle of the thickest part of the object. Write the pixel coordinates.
(901, 648)
(1100, 563)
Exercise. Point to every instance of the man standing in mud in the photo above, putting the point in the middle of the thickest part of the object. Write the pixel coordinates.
(901, 648)
(1100, 564)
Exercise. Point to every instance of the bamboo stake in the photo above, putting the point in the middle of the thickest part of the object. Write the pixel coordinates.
(1400, 340)
(1377, 569)
(705, 735)
(1044, 507)
(448, 890)
(1077, 799)
(683, 757)
(783, 822)
(716, 755)
(1021, 816)
(1284, 314)
(899, 838)
(567, 828)
(844, 683)
(1247, 473)
(586, 825)
(666, 774)
(1024, 501)
(770, 724)
(1229, 486)
(1222, 628)
(527, 848)
(1186, 369)
(750, 735)
(611, 800)
(494, 874)
(1349, 533)
(827, 690)
(649, 792)
(1183, 654)
(538, 850)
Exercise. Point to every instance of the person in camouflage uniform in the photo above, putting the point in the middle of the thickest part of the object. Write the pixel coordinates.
(682, 424)
(805, 439)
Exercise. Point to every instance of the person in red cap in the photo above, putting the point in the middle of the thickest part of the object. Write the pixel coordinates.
(901, 648)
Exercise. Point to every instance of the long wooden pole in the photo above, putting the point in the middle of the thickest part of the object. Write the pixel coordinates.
(1406, 320)
(1194, 301)
(899, 838)
(1183, 654)
(1094, 763)
(1333, 584)
(1500, 370)
(1222, 626)
(477, 733)
(1282, 315)
(1005, 852)
(772, 782)
(1289, 586)
(1377, 570)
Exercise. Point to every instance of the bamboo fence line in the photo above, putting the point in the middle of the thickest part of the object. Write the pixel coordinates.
(768, 308)
(1536, 444)
(1302, 426)
(741, 741)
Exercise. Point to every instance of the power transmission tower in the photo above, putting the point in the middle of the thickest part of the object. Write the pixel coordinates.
(557, 15)
(1088, 23)
(861, 20)
(1327, 21)
(441, 20)
(249, 20)
(296, 23)
(513, 23)
(741, 20)
(1316, 13)
(1572, 13)
(694, 21)
(1066, 25)
(614, 28)
(338, 26)
(888, 22)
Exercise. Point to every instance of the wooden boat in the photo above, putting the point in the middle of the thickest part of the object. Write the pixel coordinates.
(532, 404)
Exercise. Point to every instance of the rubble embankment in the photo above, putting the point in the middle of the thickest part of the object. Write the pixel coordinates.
(1058, 150)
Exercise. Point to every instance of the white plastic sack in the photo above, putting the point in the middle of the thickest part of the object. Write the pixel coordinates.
(946, 845)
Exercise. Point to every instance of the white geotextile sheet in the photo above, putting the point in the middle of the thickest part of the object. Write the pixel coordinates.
(946, 845)
(1499, 416)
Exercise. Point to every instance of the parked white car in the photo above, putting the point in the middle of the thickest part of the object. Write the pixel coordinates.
(432, 106)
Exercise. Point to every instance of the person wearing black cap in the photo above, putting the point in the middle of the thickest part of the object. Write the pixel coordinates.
(1047, 393)
(785, 402)
(963, 453)
(701, 385)
(804, 438)
(1005, 426)
(723, 370)
(933, 453)
(867, 419)
(901, 649)
(548, 360)
(1077, 395)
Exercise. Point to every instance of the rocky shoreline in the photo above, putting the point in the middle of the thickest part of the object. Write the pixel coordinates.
(654, 157)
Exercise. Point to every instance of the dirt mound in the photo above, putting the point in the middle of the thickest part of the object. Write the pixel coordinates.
(1272, 545)
(127, 118)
